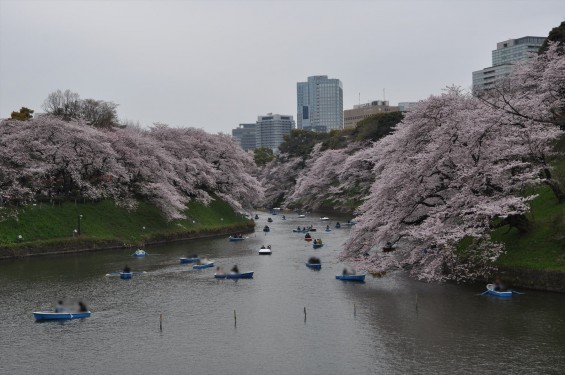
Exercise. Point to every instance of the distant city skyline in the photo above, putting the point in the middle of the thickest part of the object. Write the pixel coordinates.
(214, 65)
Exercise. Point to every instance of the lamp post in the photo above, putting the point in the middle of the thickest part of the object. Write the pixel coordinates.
(79, 218)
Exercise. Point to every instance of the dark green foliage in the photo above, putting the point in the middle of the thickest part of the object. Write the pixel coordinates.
(376, 127)
(263, 155)
(23, 115)
(300, 142)
(337, 139)
(557, 34)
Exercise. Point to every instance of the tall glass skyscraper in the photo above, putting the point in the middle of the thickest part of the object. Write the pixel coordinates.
(320, 104)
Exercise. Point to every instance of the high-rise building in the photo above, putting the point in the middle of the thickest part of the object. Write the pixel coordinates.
(245, 135)
(361, 111)
(320, 104)
(271, 129)
(506, 54)
(405, 106)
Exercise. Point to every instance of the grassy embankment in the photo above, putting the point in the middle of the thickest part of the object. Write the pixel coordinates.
(543, 246)
(103, 224)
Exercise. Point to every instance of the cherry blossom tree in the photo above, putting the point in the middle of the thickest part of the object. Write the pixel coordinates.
(455, 167)
(320, 182)
(278, 179)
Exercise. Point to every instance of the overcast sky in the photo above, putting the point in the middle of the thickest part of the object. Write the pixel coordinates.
(215, 64)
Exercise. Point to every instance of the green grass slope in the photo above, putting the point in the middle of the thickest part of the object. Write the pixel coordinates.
(104, 221)
(543, 247)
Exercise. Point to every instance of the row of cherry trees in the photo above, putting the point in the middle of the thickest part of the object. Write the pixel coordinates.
(457, 166)
(47, 157)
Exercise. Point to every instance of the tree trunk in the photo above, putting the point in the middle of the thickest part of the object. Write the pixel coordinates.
(556, 188)
(520, 222)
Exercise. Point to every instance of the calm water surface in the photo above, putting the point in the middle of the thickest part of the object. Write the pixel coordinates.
(350, 328)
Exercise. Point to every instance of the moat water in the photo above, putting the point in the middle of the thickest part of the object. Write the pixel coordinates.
(389, 325)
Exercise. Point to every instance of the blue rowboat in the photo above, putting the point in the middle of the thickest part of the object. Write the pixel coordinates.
(231, 238)
(351, 277)
(244, 275)
(317, 245)
(126, 275)
(490, 290)
(46, 315)
(139, 253)
(328, 230)
(270, 220)
(201, 266)
(338, 225)
(189, 260)
(314, 266)
(266, 229)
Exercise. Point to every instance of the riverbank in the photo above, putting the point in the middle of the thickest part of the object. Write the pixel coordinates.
(45, 229)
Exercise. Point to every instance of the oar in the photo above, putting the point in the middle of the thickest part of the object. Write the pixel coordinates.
(113, 274)
(485, 292)
(517, 292)
(139, 272)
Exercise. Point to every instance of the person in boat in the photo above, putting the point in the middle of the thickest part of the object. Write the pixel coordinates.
(126, 269)
(269, 247)
(337, 225)
(314, 260)
(298, 228)
(60, 308)
(262, 246)
(304, 229)
(499, 286)
(283, 217)
(235, 269)
(327, 227)
(307, 235)
(319, 241)
(82, 307)
(219, 270)
(345, 272)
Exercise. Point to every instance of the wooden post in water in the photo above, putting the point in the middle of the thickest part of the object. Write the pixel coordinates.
(416, 302)
(234, 318)
(354, 310)
(304, 313)
(161, 322)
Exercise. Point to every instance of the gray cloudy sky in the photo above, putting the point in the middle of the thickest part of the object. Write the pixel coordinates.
(214, 64)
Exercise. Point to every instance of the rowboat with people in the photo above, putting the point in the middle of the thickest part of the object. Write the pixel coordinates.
(244, 275)
(350, 277)
(47, 315)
